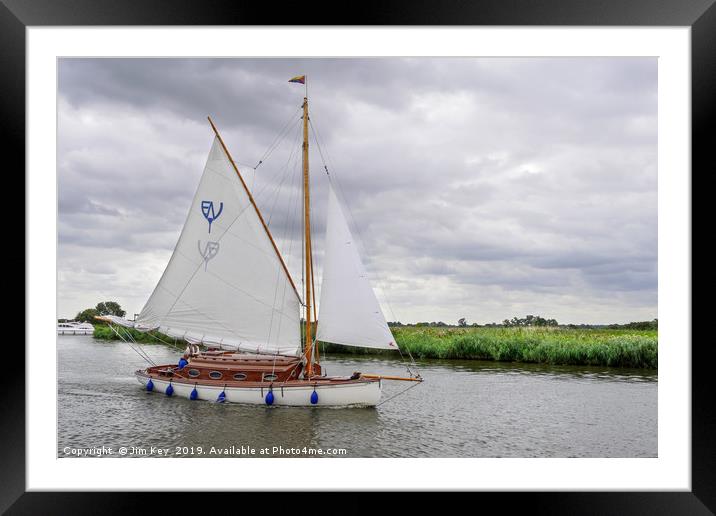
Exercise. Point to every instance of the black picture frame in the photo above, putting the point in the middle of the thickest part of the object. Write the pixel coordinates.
(700, 15)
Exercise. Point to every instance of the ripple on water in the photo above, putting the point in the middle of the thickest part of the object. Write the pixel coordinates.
(463, 409)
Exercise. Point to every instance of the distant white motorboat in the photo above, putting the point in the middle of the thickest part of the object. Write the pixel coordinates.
(74, 328)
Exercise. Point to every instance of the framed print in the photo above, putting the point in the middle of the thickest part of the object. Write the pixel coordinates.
(434, 257)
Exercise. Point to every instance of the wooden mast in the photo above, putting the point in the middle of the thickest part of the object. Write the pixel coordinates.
(308, 256)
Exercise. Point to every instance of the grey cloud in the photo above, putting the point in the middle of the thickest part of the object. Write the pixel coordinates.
(476, 185)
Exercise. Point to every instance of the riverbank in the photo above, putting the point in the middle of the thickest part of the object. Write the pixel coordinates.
(104, 332)
(558, 346)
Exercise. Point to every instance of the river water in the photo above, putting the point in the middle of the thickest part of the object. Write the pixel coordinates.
(463, 409)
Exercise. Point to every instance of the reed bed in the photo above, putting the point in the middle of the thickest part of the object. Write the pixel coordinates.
(613, 348)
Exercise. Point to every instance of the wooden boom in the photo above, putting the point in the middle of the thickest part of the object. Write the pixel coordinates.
(383, 377)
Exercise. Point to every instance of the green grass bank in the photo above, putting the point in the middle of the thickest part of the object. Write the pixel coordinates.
(559, 346)
(563, 346)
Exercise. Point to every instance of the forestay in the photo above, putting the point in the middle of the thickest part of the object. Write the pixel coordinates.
(225, 285)
(349, 310)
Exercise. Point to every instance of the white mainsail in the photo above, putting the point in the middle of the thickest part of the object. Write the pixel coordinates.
(225, 284)
(349, 310)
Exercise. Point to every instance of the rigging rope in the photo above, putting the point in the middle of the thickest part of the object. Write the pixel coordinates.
(144, 352)
(174, 345)
(398, 394)
(288, 228)
(275, 142)
(144, 356)
(318, 144)
(270, 181)
(360, 238)
(272, 196)
(293, 155)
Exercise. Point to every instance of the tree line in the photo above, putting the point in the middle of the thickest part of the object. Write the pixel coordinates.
(113, 308)
(528, 320)
(533, 321)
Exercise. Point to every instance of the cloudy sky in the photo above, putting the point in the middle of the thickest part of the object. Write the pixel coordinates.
(481, 188)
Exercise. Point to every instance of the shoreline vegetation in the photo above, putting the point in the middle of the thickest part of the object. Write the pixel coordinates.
(622, 346)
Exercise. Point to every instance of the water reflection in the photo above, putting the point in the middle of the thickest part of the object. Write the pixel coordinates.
(570, 372)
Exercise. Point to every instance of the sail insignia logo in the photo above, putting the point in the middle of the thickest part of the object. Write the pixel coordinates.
(207, 208)
(211, 249)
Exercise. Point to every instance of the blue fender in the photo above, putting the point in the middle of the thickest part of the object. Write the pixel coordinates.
(269, 398)
(170, 390)
(150, 385)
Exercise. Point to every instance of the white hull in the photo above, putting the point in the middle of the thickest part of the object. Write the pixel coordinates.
(347, 394)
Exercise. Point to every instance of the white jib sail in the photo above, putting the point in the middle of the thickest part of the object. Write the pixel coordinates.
(349, 311)
(225, 285)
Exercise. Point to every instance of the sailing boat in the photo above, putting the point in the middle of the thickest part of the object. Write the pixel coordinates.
(226, 288)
